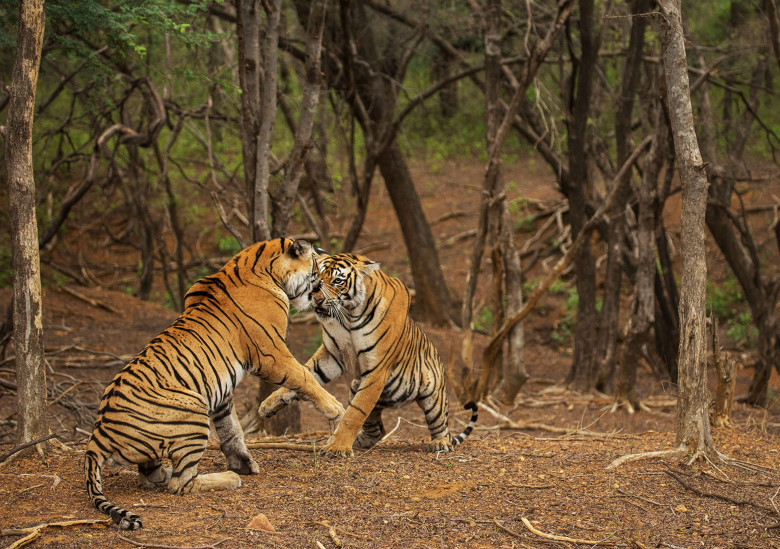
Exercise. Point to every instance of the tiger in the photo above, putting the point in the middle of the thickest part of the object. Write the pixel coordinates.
(366, 326)
(159, 405)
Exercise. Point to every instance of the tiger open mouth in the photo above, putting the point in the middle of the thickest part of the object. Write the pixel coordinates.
(322, 311)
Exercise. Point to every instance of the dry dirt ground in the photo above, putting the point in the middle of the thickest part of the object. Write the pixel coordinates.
(533, 475)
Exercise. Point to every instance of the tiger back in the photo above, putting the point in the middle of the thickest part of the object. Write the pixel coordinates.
(367, 329)
(158, 407)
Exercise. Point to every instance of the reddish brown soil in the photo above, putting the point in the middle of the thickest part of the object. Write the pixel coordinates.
(397, 495)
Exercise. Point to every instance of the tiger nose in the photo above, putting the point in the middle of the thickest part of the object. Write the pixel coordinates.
(318, 300)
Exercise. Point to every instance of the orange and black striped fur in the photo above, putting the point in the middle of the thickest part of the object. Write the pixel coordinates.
(366, 328)
(234, 323)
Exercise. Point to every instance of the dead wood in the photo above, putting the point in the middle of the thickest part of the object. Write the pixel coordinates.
(495, 344)
(21, 447)
(93, 302)
(728, 499)
(34, 532)
(159, 546)
(725, 367)
(565, 538)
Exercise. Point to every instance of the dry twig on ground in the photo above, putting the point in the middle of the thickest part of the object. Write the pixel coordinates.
(34, 532)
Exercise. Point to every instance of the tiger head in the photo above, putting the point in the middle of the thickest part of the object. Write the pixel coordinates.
(293, 267)
(341, 283)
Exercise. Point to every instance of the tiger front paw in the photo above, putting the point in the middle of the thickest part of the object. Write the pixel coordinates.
(330, 407)
(335, 449)
(276, 401)
(441, 444)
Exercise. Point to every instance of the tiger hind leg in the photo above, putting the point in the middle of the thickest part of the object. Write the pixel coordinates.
(372, 432)
(435, 408)
(185, 453)
(153, 475)
(231, 440)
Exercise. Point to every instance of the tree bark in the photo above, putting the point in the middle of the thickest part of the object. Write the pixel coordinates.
(693, 426)
(606, 345)
(581, 376)
(285, 198)
(28, 320)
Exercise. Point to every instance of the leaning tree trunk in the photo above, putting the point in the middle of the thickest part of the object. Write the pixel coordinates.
(693, 426)
(32, 419)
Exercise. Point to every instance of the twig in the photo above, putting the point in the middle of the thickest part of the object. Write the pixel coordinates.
(65, 392)
(336, 539)
(156, 546)
(282, 446)
(342, 531)
(34, 532)
(563, 538)
(21, 447)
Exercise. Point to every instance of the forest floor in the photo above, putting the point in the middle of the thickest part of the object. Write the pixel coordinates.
(531, 475)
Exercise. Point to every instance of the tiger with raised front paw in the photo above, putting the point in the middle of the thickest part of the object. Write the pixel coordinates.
(366, 327)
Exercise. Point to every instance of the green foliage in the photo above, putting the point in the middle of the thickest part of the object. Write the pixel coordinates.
(727, 303)
(563, 334)
(313, 343)
(227, 244)
(483, 322)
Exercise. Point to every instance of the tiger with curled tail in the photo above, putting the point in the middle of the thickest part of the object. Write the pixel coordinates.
(234, 323)
(366, 327)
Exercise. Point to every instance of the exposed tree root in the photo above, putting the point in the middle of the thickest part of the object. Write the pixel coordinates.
(729, 499)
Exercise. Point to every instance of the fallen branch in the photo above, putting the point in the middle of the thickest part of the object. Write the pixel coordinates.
(93, 302)
(282, 446)
(21, 447)
(564, 538)
(34, 532)
(520, 425)
(157, 546)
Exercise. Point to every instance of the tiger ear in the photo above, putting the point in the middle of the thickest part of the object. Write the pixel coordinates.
(299, 248)
(369, 266)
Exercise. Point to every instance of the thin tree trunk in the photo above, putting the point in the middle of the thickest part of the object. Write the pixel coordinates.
(270, 50)
(640, 321)
(249, 74)
(581, 376)
(693, 426)
(285, 198)
(609, 319)
(32, 418)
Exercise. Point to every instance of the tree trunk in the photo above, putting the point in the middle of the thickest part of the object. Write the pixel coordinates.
(432, 298)
(285, 198)
(32, 418)
(693, 426)
(640, 321)
(609, 319)
(581, 375)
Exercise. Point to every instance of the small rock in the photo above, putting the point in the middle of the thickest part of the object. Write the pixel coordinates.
(260, 522)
